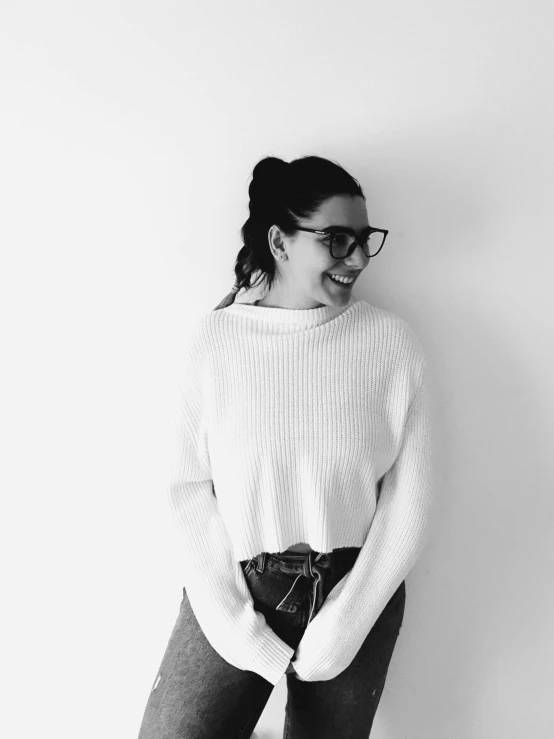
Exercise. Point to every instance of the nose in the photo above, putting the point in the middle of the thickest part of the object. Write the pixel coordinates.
(358, 259)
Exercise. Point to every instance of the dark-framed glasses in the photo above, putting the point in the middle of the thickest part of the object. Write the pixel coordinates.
(342, 240)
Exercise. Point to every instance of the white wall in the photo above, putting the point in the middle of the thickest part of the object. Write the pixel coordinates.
(128, 135)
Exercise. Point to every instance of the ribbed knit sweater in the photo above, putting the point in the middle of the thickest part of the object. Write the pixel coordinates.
(300, 426)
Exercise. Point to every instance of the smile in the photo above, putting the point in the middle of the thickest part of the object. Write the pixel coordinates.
(344, 285)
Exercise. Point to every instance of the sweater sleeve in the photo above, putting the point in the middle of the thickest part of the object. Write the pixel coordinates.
(397, 534)
(214, 581)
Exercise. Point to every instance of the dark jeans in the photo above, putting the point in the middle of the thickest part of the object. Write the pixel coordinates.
(198, 695)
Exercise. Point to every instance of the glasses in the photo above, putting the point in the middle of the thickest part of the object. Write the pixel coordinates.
(342, 240)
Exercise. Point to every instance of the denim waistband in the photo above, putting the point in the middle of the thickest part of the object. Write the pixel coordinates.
(308, 564)
(300, 562)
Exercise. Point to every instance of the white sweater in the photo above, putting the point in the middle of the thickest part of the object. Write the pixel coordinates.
(309, 426)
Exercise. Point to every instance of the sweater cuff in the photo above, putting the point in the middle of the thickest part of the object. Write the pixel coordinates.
(273, 658)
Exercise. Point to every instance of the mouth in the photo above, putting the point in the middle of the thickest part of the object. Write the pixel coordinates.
(341, 285)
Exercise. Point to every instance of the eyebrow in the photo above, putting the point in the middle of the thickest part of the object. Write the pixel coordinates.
(347, 229)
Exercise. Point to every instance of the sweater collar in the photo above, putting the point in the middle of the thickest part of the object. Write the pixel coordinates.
(290, 316)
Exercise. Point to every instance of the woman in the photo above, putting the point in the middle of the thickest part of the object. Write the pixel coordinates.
(303, 479)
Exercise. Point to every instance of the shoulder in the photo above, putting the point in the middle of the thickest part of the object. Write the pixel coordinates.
(398, 336)
(207, 334)
(194, 339)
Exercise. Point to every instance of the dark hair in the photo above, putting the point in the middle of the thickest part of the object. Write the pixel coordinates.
(283, 194)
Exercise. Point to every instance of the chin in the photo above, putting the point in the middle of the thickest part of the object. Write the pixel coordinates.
(340, 298)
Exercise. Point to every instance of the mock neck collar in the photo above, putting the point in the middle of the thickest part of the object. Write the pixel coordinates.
(289, 316)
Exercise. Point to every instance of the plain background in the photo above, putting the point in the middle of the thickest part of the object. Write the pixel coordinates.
(129, 132)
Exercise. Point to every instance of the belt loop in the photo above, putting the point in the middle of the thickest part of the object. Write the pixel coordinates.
(261, 557)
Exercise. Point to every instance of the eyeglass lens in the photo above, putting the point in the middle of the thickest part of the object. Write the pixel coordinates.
(341, 243)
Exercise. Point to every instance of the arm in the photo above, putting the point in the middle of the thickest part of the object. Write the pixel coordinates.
(214, 581)
(396, 537)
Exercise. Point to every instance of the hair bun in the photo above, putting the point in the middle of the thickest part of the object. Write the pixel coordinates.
(270, 174)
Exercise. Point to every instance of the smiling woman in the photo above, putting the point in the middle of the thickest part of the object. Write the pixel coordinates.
(292, 408)
(307, 219)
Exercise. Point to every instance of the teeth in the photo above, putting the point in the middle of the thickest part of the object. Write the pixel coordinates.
(342, 279)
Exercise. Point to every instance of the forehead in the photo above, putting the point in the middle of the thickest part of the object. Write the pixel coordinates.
(342, 210)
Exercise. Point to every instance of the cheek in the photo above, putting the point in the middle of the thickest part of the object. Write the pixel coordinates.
(321, 280)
